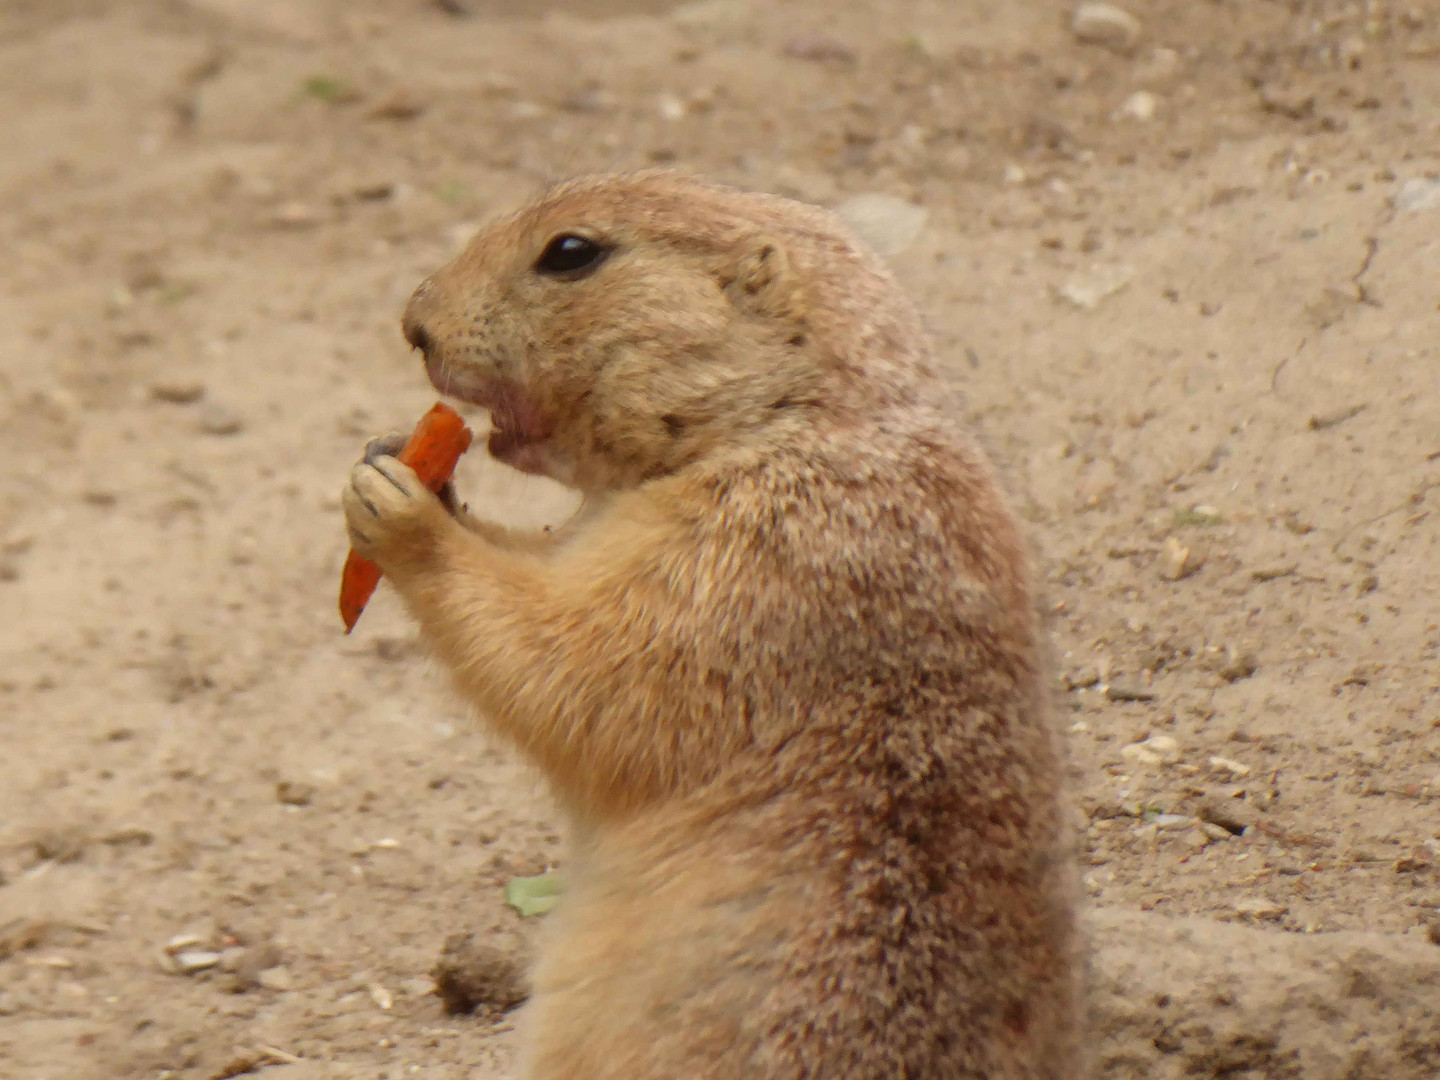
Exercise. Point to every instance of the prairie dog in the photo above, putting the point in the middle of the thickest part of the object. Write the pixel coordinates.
(783, 670)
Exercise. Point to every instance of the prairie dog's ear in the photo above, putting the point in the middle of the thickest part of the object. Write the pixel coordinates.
(760, 279)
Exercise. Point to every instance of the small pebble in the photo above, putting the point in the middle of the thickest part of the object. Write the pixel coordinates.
(399, 104)
(1081, 677)
(1172, 822)
(189, 963)
(1226, 765)
(1419, 859)
(1117, 691)
(1107, 25)
(1089, 290)
(1233, 815)
(1140, 106)
(276, 978)
(295, 215)
(295, 792)
(1238, 665)
(1178, 561)
(253, 963)
(1215, 832)
(374, 190)
(1275, 572)
(217, 419)
(1260, 907)
(1156, 750)
(1198, 839)
(137, 835)
(177, 391)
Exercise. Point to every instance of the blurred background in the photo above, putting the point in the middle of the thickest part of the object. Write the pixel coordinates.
(1179, 256)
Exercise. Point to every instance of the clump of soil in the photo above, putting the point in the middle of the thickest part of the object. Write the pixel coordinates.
(473, 973)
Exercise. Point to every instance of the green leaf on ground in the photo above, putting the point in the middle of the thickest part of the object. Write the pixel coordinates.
(1198, 515)
(533, 895)
(329, 89)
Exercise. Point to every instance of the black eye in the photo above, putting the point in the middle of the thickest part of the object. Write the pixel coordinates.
(570, 257)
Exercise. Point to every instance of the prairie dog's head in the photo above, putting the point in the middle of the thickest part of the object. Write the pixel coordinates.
(621, 327)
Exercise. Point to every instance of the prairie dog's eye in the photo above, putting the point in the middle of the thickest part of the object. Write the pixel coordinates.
(571, 257)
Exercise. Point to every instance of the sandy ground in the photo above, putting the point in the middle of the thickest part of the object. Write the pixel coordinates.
(1188, 286)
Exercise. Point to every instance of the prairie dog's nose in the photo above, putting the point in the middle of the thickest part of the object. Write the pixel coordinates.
(412, 323)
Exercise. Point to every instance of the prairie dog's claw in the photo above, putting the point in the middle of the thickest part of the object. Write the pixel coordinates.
(389, 513)
(384, 446)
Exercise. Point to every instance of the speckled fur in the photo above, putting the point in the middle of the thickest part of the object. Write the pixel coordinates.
(782, 670)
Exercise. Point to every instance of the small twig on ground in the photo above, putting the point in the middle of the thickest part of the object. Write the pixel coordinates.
(1372, 245)
(1275, 375)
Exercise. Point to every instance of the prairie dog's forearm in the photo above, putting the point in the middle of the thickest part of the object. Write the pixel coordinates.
(535, 541)
(570, 656)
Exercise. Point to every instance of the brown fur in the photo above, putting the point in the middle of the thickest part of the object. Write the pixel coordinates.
(782, 670)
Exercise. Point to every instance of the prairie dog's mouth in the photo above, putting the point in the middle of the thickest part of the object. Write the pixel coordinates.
(518, 447)
(517, 427)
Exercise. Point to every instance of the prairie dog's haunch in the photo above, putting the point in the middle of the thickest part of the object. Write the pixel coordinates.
(783, 669)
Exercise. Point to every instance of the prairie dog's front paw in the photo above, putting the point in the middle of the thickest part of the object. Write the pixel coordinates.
(390, 515)
(390, 446)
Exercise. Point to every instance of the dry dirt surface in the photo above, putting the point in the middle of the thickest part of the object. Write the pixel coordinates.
(1185, 269)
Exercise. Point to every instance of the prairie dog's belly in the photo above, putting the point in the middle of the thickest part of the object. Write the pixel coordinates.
(658, 961)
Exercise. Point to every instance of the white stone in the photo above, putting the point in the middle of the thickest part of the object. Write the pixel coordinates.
(1173, 822)
(1105, 24)
(188, 963)
(1419, 193)
(1156, 750)
(1088, 291)
(1227, 765)
(1140, 105)
(887, 224)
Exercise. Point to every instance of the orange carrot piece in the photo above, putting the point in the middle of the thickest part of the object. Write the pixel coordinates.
(432, 450)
